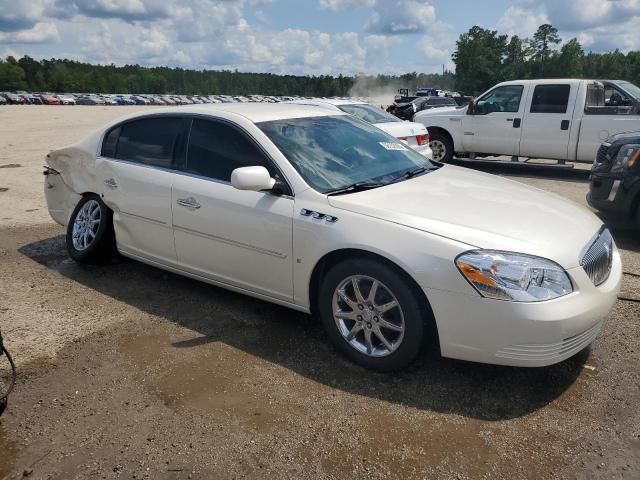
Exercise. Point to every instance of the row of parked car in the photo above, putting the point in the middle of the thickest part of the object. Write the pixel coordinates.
(22, 98)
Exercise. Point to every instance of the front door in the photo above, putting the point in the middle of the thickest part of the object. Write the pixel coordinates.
(495, 126)
(240, 238)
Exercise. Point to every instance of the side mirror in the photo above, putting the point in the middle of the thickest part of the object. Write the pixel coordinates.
(471, 108)
(252, 178)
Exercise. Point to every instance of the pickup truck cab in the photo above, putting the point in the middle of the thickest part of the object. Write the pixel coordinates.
(562, 119)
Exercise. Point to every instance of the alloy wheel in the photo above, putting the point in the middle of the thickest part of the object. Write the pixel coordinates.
(368, 315)
(85, 225)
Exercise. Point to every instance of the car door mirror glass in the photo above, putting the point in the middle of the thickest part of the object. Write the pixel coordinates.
(255, 178)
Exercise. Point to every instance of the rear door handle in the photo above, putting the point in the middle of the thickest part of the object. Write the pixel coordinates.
(564, 125)
(111, 183)
(188, 202)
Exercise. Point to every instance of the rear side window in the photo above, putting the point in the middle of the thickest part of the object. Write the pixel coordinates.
(151, 141)
(110, 143)
(550, 99)
(216, 149)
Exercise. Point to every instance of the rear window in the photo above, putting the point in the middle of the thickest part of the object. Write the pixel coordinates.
(110, 143)
(151, 141)
(550, 99)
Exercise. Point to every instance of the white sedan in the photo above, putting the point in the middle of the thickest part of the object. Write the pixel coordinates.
(324, 213)
(413, 134)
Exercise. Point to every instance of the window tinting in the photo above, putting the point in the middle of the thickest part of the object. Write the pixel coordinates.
(216, 149)
(110, 143)
(151, 141)
(550, 99)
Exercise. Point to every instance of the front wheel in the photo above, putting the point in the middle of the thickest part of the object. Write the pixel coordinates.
(371, 314)
(90, 236)
(441, 146)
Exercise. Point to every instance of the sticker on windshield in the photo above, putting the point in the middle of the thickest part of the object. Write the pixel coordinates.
(393, 146)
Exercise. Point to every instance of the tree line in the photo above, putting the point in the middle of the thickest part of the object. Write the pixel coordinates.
(485, 57)
(482, 57)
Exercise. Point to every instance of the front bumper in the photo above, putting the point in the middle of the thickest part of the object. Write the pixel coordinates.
(479, 329)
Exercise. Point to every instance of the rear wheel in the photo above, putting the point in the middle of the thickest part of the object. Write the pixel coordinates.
(441, 146)
(90, 236)
(371, 315)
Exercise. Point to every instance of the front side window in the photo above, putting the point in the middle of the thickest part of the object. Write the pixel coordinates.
(502, 99)
(368, 113)
(332, 152)
(216, 149)
(151, 141)
(550, 99)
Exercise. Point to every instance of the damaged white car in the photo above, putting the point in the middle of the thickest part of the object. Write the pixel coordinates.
(321, 212)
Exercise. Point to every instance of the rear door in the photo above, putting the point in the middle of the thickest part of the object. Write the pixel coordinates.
(239, 238)
(135, 172)
(495, 125)
(547, 124)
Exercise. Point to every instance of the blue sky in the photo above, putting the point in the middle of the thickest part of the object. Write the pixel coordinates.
(296, 36)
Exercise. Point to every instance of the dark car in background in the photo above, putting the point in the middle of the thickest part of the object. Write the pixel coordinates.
(13, 98)
(615, 176)
(406, 111)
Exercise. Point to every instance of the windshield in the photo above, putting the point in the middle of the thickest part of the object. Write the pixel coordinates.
(333, 152)
(632, 89)
(368, 113)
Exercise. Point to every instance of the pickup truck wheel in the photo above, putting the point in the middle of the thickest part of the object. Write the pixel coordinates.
(90, 235)
(441, 146)
(371, 315)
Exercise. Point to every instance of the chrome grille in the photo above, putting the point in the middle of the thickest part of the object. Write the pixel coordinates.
(602, 155)
(597, 257)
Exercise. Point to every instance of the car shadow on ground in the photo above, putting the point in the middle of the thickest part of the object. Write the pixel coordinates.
(297, 342)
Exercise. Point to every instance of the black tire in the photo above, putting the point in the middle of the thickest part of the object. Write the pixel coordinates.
(102, 247)
(397, 284)
(446, 143)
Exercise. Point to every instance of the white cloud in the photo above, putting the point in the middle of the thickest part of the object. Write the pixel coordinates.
(394, 17)
(42, 32)
(520, 21)
(338, 5)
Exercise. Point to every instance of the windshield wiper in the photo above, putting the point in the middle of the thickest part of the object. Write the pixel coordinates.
(355, 187)
(412, 173)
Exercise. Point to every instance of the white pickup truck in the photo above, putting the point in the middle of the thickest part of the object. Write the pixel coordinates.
(559, 119)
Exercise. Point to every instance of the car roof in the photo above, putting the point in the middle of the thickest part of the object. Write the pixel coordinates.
(327, 101)
(255, 112)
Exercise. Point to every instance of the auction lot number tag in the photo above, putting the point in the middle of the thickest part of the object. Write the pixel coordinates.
(393, 146)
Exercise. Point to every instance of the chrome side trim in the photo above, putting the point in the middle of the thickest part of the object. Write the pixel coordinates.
(614, 190)
(140, 217)
(231, 242)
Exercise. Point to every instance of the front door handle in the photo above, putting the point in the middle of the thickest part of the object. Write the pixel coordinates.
(188, 202)
(564, 125)
(516, 122)
(111, 183)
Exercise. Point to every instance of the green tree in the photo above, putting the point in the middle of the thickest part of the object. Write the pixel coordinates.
(570, 61)
(543, 40)
(478, 58)
(12, 77)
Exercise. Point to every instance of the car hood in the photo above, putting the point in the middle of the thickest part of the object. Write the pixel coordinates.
(448, 111)
(483, 211)
(402, 129)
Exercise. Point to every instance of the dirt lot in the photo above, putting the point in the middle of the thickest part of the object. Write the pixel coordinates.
(130, 372)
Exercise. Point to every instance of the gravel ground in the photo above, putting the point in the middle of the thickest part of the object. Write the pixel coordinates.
(127, 371)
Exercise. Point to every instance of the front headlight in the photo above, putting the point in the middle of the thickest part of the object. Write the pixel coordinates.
(513, 276)
(627, 157)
